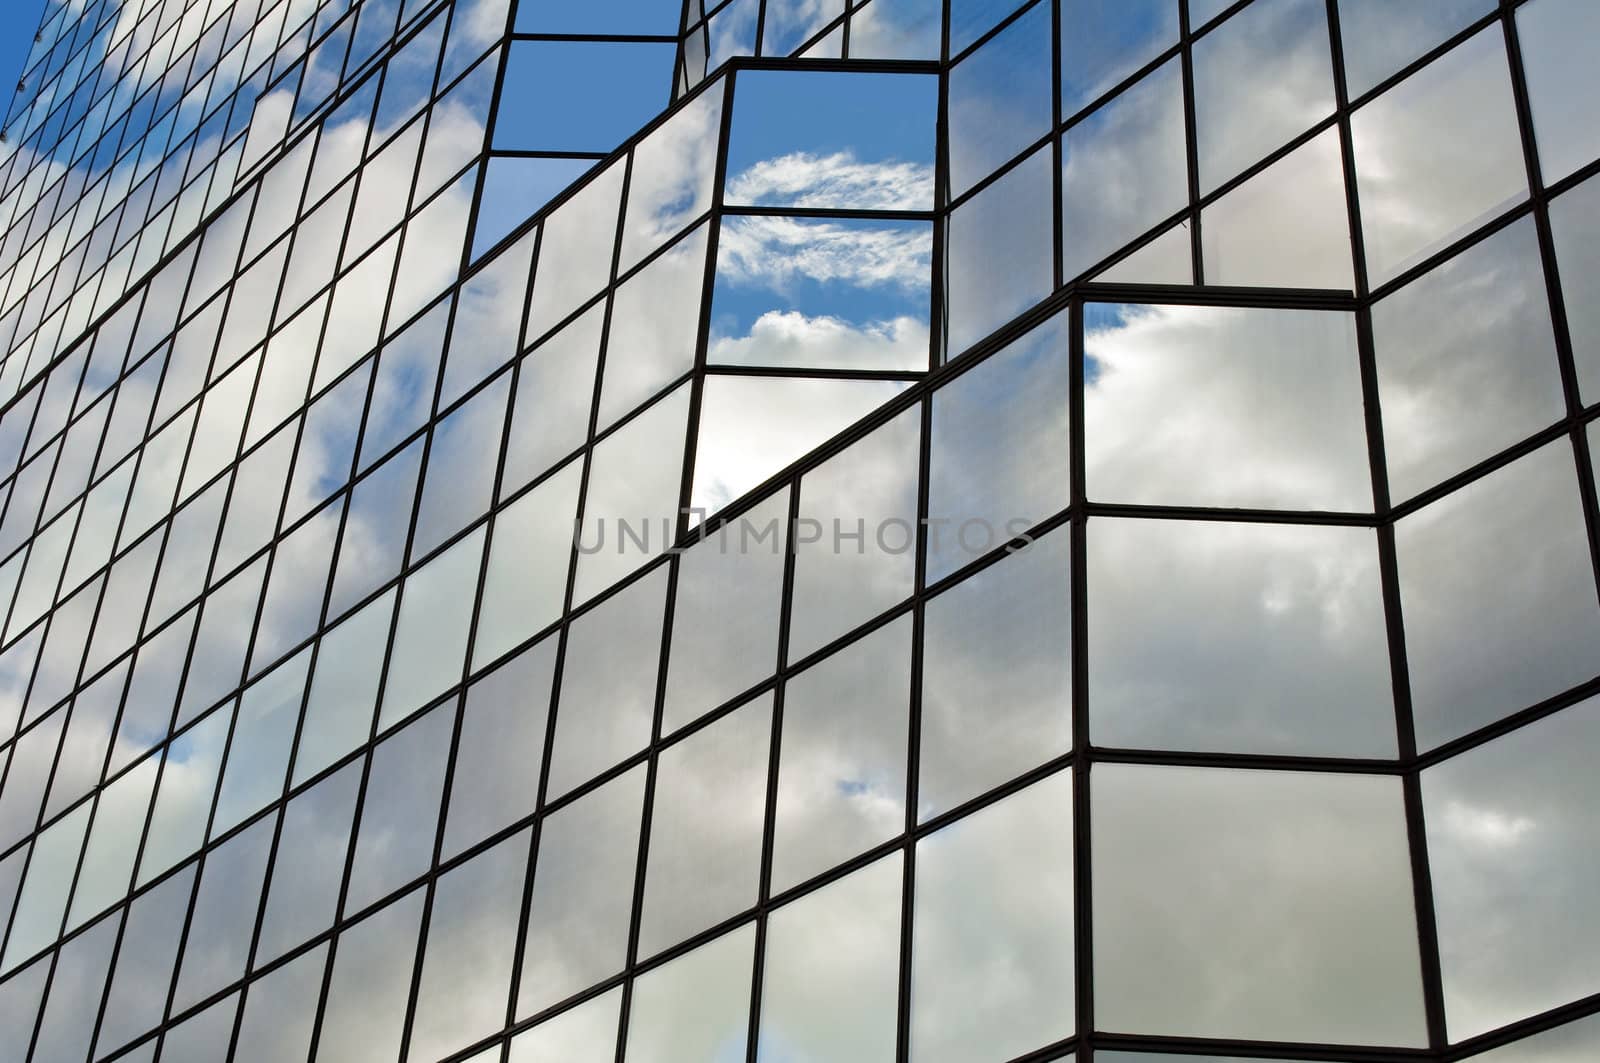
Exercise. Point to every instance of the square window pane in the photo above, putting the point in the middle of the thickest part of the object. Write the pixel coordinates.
(1287, 896)
(1246, 638)
(1218, 406)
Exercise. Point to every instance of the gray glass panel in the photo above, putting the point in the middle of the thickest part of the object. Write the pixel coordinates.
(366, 1003)
(1576, 231)
(608, 683)
(1498, 596)
(145, 959)
(1512, 849)
(996, 688)
(304, 892)
(225, 906)
(842, 757)
(1437, 155)
(1260, 79)
(725, 619)
(981, 492)
(705, 827)
(1234, 885)
(400, 808)
(1256, 408)
(832, 970)
(496, 776)
(279, 1009)
(472, 934)
(1134, 144)
(1560, 75)
(696, 1006)
(430, 638)
(588, 1031)
(855, 540)
(1246, 638)
(998, 255)
(1466, 361)
(529, 555)
(992, 938)
(582, 893)
(1380, 36)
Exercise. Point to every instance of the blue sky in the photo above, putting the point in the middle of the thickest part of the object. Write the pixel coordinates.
(19, 21)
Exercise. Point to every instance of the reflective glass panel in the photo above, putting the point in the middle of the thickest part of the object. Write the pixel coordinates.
(1231, 884)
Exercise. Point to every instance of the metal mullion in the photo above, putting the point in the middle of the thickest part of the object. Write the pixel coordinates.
(1081, 762)
(769, 813)
(541, 793)
(989, 34)
(1551, 1019)
(1507, 724)
(1057, 241)
(1191, 140)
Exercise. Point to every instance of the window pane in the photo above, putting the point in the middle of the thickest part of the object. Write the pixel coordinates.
(304, 893)
(1380, 36)
(1466, 361)
(832, 139)
(400, 809)
(696, 1006)
(582, 893)
(608, 683)
(1218, 406)
(1437, 155)
(655, 323)
(995, 676)
(1260, 79)
(344, 688)
(1000, 98)
(1134, 145)
(855, 542)
(579, 236)
(1498, 595)
(992, 941)
(998, 255)
(705, 827)
(529, 555)
(472, 933)
(1511, 850)
(1286, 894)
(842, 758)
(1556, 64)
(588, 1031)
(371, 980)
(430, 639)
(495, 781)
(1248, 638)
(725, 619)
(809, 293)
(1576, 232)
(832, 974)
(1104, 41)
(999, 451)
(1285, 227)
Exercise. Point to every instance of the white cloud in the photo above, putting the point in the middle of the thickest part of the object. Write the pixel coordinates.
(776, 252)
(791, 338)
(839, 180)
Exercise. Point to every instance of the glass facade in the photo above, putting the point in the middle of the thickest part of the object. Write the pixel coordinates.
(948, 532)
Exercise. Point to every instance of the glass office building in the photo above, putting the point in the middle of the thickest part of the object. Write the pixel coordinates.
(801, 530)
